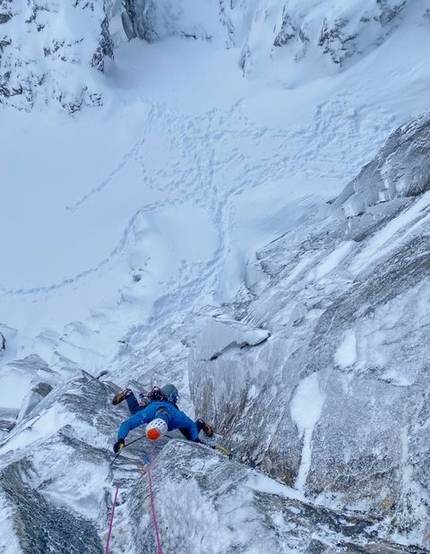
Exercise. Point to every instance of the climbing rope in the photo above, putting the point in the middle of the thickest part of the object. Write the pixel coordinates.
(151, 500)
(147, 469)
(111, 519)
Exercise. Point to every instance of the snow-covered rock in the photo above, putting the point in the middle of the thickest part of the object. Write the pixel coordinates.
(252, 514)
(50, 472)
(7, 420)
(224, 334)
(18, 377)
(47, 50)
(400, 169)
(7, 336)
(56, 492)
(326, 36)
(153, 21)
(65, 40)
(316, 374)
(32, 398)
(334, 403)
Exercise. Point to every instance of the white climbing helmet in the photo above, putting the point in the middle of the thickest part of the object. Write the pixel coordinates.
(156, 429)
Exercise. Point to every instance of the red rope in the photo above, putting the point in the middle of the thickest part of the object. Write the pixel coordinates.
(111, 520)
(151, 500)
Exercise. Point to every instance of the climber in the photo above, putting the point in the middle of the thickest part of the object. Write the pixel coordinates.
(145, 398)
(158, 409)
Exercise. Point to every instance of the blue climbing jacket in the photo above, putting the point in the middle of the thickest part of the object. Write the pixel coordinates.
(174, 418)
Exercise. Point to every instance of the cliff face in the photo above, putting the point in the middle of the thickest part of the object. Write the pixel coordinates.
(154, 21)
(63, 42)
(345, 300)
(328, 36)
(56, 493)
(48, 51)
(315, 375)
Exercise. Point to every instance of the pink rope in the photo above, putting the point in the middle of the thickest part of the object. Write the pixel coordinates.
(111, 520)
(151, 500)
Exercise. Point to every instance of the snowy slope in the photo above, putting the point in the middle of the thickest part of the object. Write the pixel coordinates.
(181, 232)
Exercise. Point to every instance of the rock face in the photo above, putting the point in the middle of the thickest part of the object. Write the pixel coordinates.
(317, 374)
(194, 476)
(335, 34)
(7, 420)
(51, 497)
(336, 402)
(56, 492)
(153, 21)
(346, 35)
(42, 526)
(400, 169)
(67, 40)
(36, 394)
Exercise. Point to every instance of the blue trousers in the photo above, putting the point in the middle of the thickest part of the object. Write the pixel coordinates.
(133, 404)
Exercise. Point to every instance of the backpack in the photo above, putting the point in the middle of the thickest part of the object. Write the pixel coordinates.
(155, 394)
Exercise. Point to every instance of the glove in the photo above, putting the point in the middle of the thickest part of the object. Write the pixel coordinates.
(119, 445)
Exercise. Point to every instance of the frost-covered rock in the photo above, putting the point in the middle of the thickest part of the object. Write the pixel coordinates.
(353, 31)
(223, 334)
(7, 420)
(255, 279)
(40, 526)
(219, 339)
(328, 35)
(47, 50)
(20, 376)
(57, 489)
(152, 20)
(252, 514)
(53, 468)
(7, 336)
(70, 39)
(32, 398)
(401, 168)
(335, 402)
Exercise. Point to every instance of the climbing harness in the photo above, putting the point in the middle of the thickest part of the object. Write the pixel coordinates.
(111, 519)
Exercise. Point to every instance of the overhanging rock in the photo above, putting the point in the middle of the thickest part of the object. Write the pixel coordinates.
(221, 335)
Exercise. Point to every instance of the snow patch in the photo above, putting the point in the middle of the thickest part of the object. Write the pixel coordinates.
(398, 228)
(219, 335)
(306, 409)
(38, 428)
(332, 261)
(346, 354)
